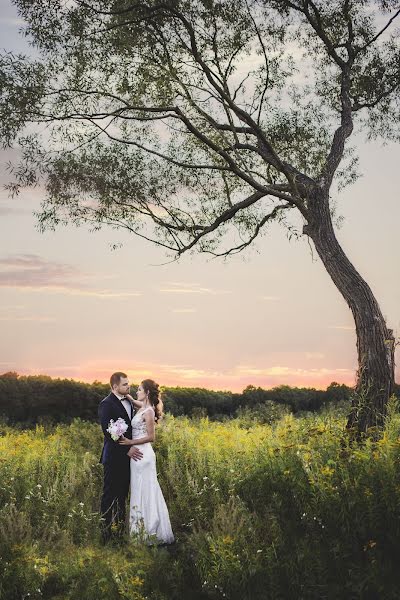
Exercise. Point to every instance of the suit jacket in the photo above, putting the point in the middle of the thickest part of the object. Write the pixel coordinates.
(112, 408)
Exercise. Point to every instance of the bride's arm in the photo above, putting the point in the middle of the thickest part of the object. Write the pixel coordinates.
(134, 401)
(151, 432)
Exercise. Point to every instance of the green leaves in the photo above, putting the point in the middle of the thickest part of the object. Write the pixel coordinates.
(22, 85)
(222, 99)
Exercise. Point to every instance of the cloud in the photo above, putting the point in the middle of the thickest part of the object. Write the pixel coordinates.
(58, 368)
(240, 376)
(189, 375)
(314, 355)
(15, 312)
(184, 310)
(98, 293)
(31, 272)
(33, 319)
(187, 372)
(181, 283)
(190, 288)
(281, 371)
(342, 327)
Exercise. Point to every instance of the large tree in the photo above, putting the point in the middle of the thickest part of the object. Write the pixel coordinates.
(196, 123)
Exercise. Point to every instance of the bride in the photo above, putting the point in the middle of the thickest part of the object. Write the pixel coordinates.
(148, 512)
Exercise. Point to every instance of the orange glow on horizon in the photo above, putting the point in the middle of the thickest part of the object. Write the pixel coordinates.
(219, 382)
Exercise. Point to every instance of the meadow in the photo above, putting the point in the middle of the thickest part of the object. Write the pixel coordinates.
(280, 511)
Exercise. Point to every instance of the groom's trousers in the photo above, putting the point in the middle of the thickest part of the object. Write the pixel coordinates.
(113, 501)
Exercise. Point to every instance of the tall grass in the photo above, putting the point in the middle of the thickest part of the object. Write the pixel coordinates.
(287, 510)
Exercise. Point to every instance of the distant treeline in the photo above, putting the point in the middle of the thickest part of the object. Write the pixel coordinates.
(39, 398)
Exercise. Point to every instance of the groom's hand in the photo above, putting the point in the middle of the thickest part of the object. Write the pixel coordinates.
(135, 453)
(124, 441)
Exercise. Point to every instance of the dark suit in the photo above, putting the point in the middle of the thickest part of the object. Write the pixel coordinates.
(116, 463)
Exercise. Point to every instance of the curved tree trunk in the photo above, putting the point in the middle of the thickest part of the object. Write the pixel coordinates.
(375, 342)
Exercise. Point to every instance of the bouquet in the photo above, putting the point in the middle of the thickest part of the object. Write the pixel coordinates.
(117, 428)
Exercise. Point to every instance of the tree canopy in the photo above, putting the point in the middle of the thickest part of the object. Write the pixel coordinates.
(180, 120)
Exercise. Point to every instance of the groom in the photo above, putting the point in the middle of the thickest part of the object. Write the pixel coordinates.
(114, 457)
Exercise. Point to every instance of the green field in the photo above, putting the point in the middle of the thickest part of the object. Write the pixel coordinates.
(284, 511)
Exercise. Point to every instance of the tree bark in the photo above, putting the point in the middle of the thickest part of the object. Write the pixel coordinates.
(375, 342)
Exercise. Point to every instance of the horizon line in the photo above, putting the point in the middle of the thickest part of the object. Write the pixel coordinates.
(97, 381)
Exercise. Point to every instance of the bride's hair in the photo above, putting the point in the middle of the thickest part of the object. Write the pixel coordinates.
(152, 389)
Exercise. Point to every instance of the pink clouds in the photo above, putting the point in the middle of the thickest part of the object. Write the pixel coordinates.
(32, 272)
(187, 375)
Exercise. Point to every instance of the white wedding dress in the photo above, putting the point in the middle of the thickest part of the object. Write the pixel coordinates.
(148, 515)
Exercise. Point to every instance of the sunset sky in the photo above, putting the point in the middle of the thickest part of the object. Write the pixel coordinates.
(70, 306)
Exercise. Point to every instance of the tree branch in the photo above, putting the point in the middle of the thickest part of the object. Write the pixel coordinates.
(264, 220)
(316, 24)
(240, 113)
(359, 105)
(223, 217)
(159, 154)
(264, 51)
(341, 134)
(214, 80)
(372, 40)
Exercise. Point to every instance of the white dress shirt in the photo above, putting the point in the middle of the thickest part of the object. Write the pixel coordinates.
(126, 403)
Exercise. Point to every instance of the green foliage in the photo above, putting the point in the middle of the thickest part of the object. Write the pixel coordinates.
(289, 510)
(39, 398)
(210, 101)
(266, 412)
(28, 400)
(199, 402)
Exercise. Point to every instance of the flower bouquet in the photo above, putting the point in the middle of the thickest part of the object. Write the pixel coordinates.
(117, 428)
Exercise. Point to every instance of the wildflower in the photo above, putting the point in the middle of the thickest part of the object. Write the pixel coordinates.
(327, 470)
(227, 540)
(258, 551)
(369, 544)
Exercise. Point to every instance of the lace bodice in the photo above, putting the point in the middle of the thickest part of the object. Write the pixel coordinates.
(139, 427)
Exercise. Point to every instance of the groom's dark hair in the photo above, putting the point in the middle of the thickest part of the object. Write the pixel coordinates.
(116, 378)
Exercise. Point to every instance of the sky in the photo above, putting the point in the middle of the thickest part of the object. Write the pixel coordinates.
(72, 307)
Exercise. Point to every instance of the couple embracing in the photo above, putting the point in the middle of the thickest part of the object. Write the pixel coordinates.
(129, 462)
